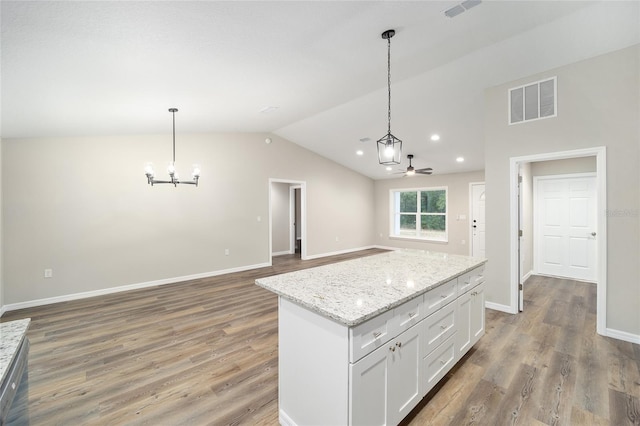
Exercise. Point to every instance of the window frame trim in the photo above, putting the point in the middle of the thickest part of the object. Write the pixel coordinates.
(392, 213)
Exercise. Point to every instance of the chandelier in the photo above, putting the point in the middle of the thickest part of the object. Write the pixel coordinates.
(175, 179)
(389, 147)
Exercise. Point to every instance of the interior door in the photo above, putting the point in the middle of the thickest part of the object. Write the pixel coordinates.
(565, 223)
(477, 220)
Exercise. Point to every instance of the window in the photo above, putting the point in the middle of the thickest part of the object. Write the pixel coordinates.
(419, 213)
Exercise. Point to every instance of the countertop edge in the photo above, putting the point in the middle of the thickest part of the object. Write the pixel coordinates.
(12, 346)
(363, 318)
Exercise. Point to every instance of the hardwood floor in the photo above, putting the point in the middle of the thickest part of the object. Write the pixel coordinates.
(205, 352)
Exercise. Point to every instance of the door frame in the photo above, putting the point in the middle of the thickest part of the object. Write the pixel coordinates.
(303, 215)
(471, 184)
(601, 226)
(292, 217)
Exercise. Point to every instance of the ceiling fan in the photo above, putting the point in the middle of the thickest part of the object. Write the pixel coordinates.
(412, 170)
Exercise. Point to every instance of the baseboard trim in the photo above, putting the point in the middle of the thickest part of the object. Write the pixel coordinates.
(499, 307)
(137, 286)
(318, 256)
(526, 277)
(623, 335)
(3, 309)
(280, 253)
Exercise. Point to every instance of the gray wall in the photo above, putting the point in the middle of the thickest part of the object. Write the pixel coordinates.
(84, 209)
(598, 105)
(458, 204)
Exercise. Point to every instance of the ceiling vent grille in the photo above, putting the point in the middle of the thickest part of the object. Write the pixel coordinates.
(533, 101)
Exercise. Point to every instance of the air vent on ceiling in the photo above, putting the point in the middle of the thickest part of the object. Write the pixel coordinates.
(459, 8)
(533, 101)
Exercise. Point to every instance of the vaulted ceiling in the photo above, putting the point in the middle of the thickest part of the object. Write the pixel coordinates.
(115, 67)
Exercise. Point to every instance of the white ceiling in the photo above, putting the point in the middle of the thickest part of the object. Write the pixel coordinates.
(115, 67)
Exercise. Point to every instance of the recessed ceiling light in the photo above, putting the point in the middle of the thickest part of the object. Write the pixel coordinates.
(360, 152)
(460, 159)
(388, 168)
(435, 137)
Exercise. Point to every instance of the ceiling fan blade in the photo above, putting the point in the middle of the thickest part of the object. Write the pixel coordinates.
(426, 169)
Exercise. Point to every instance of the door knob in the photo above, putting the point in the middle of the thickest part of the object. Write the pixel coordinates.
(593, 234)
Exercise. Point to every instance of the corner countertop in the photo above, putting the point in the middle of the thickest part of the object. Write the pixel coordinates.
(354, 291)
(11, 335)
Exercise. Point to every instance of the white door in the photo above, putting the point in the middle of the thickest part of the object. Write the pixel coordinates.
(565, 223)
(477, 220)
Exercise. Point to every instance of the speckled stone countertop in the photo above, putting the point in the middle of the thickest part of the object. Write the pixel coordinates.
(353, 291)
(11, 334)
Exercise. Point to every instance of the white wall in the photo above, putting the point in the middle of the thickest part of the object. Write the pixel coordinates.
(85, 210)
(280, 212)
(458, 204)
(598, 105)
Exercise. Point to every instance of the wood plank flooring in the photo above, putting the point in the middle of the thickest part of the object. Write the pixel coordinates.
(206, 352)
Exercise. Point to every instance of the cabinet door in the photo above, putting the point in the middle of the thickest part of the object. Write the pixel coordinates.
(368, 388)
(403, 383)
(477, 313)
(464, 325)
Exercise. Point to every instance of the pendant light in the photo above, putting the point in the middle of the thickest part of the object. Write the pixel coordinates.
(389, 147)
(175, 180)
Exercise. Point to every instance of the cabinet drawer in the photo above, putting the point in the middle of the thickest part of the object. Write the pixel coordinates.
(370, 335)
(406, 316)
(470, 279)
(440, 296)
(439, 327)
(437, 364)
(477, 275)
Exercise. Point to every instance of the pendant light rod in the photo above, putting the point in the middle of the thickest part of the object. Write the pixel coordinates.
(173, 112)
(387, 36)
(175, 180)
(389, 147)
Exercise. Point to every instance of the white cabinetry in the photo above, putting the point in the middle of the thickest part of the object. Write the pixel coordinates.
(384, 384)
(376, 372)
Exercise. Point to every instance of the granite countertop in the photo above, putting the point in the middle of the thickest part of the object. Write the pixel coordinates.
(11, 334)
(353, 291)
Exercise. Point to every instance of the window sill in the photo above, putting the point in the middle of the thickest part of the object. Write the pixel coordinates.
(417, 239)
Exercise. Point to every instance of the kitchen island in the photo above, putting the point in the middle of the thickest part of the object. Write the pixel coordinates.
(14, 351)
(361, 342)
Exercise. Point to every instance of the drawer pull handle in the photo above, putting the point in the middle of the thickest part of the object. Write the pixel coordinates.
(444, 296)
(412, 314)
(399, 344)
(377, 334)
(443, 327)
(392, 348)
(443, 362)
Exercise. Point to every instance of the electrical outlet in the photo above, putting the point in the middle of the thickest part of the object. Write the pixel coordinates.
(48, 273)
(226, 252)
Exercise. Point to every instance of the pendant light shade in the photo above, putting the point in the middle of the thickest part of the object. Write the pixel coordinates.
(389, 146)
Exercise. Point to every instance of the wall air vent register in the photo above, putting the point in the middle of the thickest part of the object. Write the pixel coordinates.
(533, 101)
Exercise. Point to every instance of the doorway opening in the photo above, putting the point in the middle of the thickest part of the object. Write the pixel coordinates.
(517, 273)
(287, 218)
